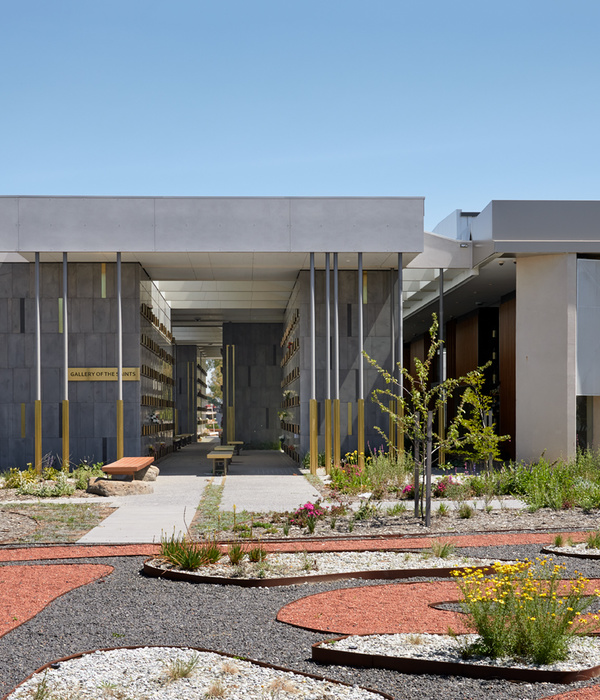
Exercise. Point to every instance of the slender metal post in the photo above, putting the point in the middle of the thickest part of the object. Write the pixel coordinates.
(400, 357)
(65, 403)
(428, 470)
(314, 436)
(361, 376)
(120, 429)
(327, 364)
(336, 367)
(38, 369)
(442, 368)
(392, 404)
(417, 457)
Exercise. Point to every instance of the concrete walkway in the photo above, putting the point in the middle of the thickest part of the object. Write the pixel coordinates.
(256, 481)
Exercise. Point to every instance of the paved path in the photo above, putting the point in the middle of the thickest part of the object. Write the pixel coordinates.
(257, 481)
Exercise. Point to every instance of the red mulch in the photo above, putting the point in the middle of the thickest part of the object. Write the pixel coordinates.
(26, 590)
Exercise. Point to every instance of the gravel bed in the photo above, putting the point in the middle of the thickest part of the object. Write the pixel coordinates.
(280, 564)
(128, 609)
(147, 674)
(584, 652)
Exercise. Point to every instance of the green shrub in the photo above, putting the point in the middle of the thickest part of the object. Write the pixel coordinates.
(257, 554)
(187, 554)
(236, 553)
(442, 549)
(593, 540)
(523, 610)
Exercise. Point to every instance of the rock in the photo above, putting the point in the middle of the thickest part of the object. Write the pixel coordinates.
(148, 474)
(115, 487)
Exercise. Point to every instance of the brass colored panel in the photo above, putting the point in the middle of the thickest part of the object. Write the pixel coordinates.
(314, 437)
(103, 374)
(38, 436)
(364, 287)
(120, 441)
(361, 432)
(61, 325)
(66, 458)
(336, 433)
(327, 435)
(103, 280)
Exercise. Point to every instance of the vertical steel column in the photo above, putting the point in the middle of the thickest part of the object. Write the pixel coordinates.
(327, 365)
(120, 429)
(336, 367)
(38, 370)
(442, 369)
(65, 404)
(400, 358)
(314, 434)
(361, 375)
(392, 404)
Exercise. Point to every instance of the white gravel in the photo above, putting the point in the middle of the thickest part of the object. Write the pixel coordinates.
(143, 674)
(579, 548)
(584, 651)
(310, 564)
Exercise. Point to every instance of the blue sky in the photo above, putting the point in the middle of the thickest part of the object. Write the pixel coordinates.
(460, 102)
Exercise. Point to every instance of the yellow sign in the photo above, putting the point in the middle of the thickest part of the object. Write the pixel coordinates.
(103, 374)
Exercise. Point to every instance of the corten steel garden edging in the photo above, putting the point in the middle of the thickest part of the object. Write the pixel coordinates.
(189, 576)
(323, 653)
(576, 555)
(263, 664)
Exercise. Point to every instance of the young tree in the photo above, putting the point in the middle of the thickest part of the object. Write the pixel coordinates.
(468, 430)
(215, 380)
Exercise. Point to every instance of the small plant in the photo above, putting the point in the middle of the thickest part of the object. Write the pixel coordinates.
(466, 511)
(408, 492)
(524, 610)
(351, 525)
(396, 509)
(216, 690)
(187, 554)
(442, 550)
(229, 668)
(286, 529)
(308, 510)
(281, 685)
(42, 691)
(310, 524)
(182, 668)
(415, 639)
(559, 541)
(308, 564)
(443, 510)
(236, 553)
(367, 510)
(333, 522)
(257, 554)
(593, 540)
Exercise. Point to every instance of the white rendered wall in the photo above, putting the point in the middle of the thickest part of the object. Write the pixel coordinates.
(588, 327)
(546, 356)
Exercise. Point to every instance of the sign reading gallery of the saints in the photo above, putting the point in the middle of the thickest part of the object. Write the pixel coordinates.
(103, 374)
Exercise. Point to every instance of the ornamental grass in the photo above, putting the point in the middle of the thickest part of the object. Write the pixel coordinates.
(524, 610)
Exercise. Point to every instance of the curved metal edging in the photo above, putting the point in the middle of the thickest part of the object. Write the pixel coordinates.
(189, 576)
(327, 655)
(263, 664)
(576, 555)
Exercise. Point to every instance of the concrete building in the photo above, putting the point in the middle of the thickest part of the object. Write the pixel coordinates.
(110, 307)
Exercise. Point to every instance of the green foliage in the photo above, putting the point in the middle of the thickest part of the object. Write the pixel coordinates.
(419, 396)
(182, 668)
(187, 554)
(367, 510)
(257, 554)
(593, 540)
(236, 553)
(465, 511)
(524, 610)
(442, 549)
(60, 487)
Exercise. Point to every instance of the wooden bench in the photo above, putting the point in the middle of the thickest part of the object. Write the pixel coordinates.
(237, 444)
(128, 466)
(220, 459)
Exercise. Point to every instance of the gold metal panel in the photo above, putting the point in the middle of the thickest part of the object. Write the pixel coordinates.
(361, 432)
(120, 431)
(103, 374)
(327, 435)
(38, 437)
(336, 433)
(103, 280)
(66, 458)
(314, 437)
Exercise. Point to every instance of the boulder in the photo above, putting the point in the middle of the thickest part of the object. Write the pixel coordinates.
(115, 487)
(148, 474)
